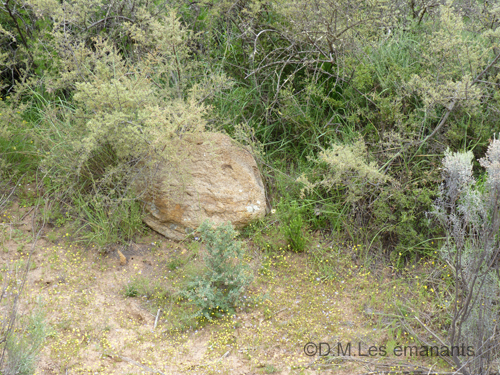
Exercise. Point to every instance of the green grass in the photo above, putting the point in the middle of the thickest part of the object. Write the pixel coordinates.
(20, 154)
(144, 287)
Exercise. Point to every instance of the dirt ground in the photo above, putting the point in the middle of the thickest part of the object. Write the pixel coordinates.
(95, 328)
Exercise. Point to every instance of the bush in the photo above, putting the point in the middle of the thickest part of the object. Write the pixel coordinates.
(292, 225)
(105, 105)
(21, 337)
(469, 213)
(23, 346)
(225, 278)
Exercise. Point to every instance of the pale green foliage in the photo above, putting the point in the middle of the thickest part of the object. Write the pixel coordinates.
(470, 216)
(125, 108)
(136, 91)
(347, 167)
(453, 57)
(221, 286)
(136, 103)
(491, 162)
(23, 346)
(457, 167)
(147, 32)
(332, 26)
(149, 36)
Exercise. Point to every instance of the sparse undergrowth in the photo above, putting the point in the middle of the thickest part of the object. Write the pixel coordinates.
(98, 309)
(348, 108)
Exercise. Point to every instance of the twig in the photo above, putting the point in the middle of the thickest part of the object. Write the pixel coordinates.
(107, 18)
(428, 330)
(224, 356)
(6, 4)
(257, 38)
(3, 199)
(156, 320)
(27, 213)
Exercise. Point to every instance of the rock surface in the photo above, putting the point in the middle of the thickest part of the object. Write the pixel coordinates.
(220, 182)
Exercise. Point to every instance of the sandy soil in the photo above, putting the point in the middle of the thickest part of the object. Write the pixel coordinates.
(94, 328)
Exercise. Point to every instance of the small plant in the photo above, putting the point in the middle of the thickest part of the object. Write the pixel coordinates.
(131, 290)
(270, 369)
(174, 264)
(220, 288)
(23, 346)
(293, 226)
(143, 286)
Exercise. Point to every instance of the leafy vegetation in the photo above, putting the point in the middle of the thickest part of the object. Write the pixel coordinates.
(349, 108)
(469, 213)
(23, 346)
(220, 287)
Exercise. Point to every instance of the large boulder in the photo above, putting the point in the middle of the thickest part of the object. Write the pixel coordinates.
(219, 181)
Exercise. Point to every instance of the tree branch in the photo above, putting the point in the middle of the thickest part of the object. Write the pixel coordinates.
(25, 43)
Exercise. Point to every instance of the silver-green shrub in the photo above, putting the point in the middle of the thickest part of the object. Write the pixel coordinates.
(225, 277)
(469, 213)
(23, 345)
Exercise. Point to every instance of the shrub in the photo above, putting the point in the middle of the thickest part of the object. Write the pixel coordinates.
(346, 173)
(23, 346)
(140, 286)
(469, 214)
(21, 337)
(292, 225)
(225, 278)
(119, 89)
(347, 168)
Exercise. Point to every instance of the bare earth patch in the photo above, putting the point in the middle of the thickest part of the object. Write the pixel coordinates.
(108, 317)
